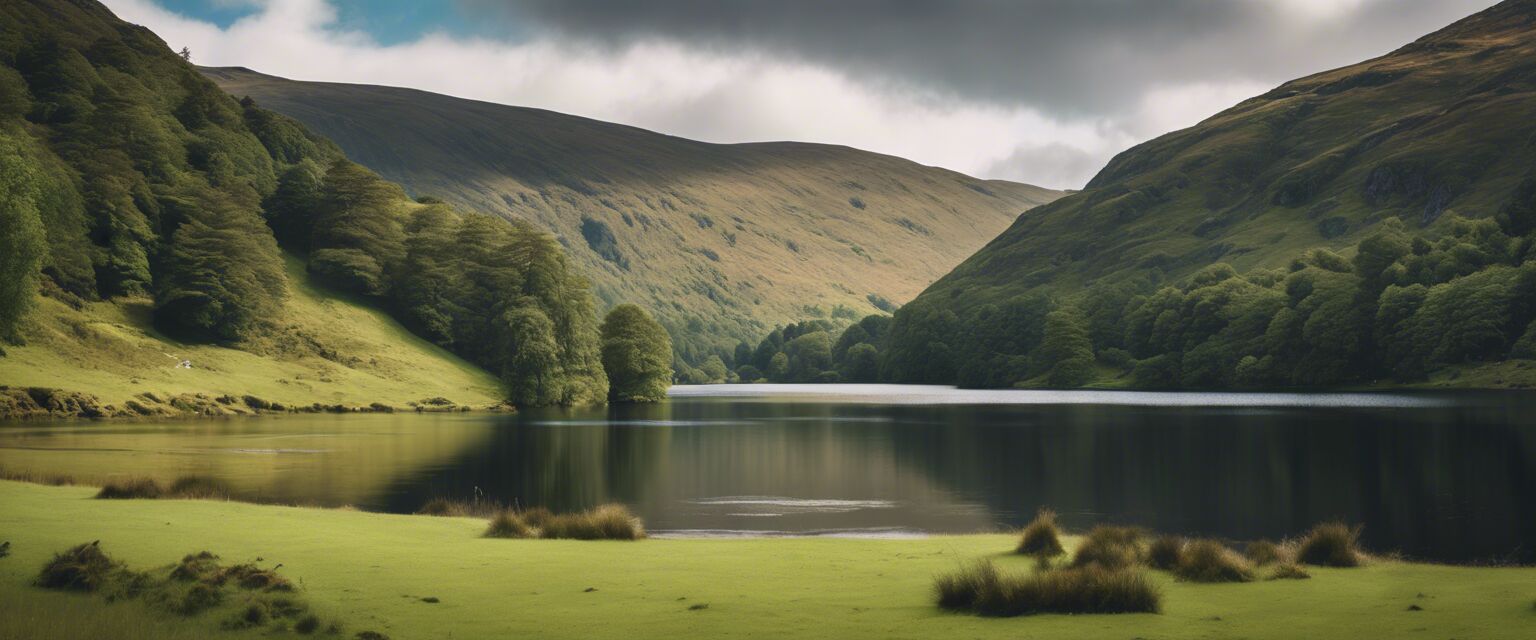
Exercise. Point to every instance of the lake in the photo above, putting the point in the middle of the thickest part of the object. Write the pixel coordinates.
(1448, 477)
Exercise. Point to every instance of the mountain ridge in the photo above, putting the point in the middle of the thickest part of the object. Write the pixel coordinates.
(723, 241)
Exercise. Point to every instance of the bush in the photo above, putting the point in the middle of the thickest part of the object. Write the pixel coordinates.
(1165, 552)
(1109, 548)
(1210, 561)
(536, 517)
(82, 568)
(507, 525)
(1042, 538)
(979, 588)
(130, 489)
(1289, 572)
(1262, 552)
(444, 507)
(1332, 544)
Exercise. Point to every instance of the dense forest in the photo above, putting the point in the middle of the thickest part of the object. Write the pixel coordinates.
(124, 172)
(1365, 224)
(1401, 307)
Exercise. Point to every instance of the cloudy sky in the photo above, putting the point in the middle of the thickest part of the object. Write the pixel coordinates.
(1042, 91)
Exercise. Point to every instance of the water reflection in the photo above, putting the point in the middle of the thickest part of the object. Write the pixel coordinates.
(1441, 477)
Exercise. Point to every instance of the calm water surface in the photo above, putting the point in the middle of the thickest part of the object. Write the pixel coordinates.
(1447, 477)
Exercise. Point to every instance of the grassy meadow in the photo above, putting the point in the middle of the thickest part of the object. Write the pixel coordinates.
(372, 572)
(332, 349)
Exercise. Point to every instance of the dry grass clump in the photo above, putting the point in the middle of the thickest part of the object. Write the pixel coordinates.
(1211, 561)
(444, 507)
(130, 489)
(1262, 552)
(83, 567)
(979, 588)
(606, 522)
(1110, 548)
(35, 477)
(1289, 572)
(1165, 552)
(1332, 544)
(196, 487)
(507, 524)
(192, 487)
(1042, 537)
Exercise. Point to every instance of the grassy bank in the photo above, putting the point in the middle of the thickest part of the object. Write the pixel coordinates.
(330, 350)
(372, 571)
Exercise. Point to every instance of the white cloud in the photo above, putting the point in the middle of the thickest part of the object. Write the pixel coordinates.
(693, 92)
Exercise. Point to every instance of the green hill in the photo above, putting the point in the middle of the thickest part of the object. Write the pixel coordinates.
(1433, 135)
(147, 217)
(722, 242)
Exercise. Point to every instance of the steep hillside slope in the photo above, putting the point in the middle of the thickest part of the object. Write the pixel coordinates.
(144, 215)
(1438, 130)
(723, 241)
(334, 350)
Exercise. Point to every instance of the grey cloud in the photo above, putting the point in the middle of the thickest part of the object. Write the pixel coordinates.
(1072, 58)
(1053, 165)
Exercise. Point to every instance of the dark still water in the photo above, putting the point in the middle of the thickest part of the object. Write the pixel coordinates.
(1448, 477)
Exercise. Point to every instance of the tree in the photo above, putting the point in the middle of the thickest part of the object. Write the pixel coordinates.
(863, 363)
(637, 355)
(222, 278)
(185, 53)
(714, 369)
(22, 240)
(809, 355)
(530, 361)
(778, 368)
(358, 238)
(1065, 351)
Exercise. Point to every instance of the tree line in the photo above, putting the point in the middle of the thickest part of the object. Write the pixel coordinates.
(1403, 306)
(124, 172)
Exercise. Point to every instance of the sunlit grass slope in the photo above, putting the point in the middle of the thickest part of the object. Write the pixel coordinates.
(372, 570)
(720, 241)
(329, 349)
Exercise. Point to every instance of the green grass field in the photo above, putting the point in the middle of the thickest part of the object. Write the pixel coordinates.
(328, 349)
(371, 571)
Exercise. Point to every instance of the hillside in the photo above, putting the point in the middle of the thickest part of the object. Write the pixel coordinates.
(722, 241)
(148, 217)
(1434, 134)
(333, 350)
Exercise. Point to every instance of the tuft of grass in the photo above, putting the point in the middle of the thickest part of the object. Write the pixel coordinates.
(1165, 552)
(1109, 547)
(50, 479)
(536, 517)
(1332, 544)
(84, 567)
(1041, 537)
(196, 487)
(606, 522)
(444, 507)
(1211, 561)
(981, 589)
(1262, 552)
(130, 489)
(507, 524)
(1289, 572)
(307, 624)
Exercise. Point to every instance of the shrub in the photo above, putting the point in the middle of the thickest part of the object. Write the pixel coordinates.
(507, 525)
(1042, 538)
(1262, 552)
(979, 588)
(1210, 561)
(1164, 552)
(1332, 544)
(1109, 548)
(196, 566)
(536, 517)
(1289, 572)
(82, 568)
(129, 489)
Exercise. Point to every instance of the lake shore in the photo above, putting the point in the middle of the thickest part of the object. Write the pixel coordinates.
(372, 571)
